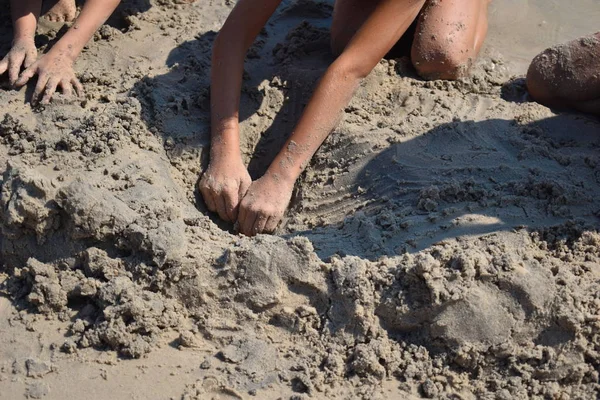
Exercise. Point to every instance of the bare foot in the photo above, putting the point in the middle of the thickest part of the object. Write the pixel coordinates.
(59, 10)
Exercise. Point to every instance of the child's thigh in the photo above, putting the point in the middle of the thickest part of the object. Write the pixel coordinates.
(348, 17)
(450, 32)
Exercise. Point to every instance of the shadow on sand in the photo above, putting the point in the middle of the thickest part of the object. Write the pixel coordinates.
(467, 178)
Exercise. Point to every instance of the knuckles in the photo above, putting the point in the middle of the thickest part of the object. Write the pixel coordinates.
(229, 192)
(260, 210)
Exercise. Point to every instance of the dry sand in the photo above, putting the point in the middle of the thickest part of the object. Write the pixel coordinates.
(443, 243)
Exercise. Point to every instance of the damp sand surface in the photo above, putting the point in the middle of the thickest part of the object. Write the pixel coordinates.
(443, 243)
(520, 29)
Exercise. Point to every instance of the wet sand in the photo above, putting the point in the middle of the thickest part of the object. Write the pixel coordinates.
(520, 29)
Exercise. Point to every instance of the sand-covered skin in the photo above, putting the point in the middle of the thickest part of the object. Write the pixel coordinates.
(566, 75)
(442, 243)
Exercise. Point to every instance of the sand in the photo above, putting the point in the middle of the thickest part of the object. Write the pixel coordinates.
(443, 243)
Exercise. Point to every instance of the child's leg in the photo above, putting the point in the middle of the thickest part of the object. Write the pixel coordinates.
(567, 75)
(348, 17)
(449, 36)
(59, 10)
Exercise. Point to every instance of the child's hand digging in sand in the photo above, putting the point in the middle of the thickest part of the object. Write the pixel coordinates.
(55, 68)
(449, 34)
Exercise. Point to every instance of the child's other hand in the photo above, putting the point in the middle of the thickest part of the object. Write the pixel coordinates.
(22, 54)
(223, 186)
(264, 204)
(53, 70)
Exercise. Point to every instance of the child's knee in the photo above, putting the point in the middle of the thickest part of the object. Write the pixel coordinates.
(437, 62)
(540, 85)
(566, 73)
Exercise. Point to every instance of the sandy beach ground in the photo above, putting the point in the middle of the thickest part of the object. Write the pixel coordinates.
(443, 243)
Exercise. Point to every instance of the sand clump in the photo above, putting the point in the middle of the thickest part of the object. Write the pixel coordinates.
(442, 243)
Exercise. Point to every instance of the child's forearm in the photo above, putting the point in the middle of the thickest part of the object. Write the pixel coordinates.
(25, 14)
(230, 47)
(93, 15)
(226, 81)
(376, 37)
(321, 115)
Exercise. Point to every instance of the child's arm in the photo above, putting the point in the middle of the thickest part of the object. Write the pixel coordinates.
(226, 180)
(267, 198)
(55, 68)
(25, 14)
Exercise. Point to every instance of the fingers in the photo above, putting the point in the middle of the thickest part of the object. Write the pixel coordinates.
(29, 59)
(221, 208)
(3, 65)
(260, 223)
(78, 87)
(14, 67)
(26, 76)
(39, 88)
(271, 224)
(52, 72)
(232, 202)
(207, 195)
(244, 186)
(243, 212)
(220, 196)
(49, 90)
(247, 225)
(242, 190)
(67, 89)
(214, 200)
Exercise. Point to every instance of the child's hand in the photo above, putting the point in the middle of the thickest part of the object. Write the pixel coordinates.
(53, 69)
(22, 54)
(264, 204)
(223, 186)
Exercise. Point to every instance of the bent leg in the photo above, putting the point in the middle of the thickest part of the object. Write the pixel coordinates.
(568, 75)
(449, 35)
